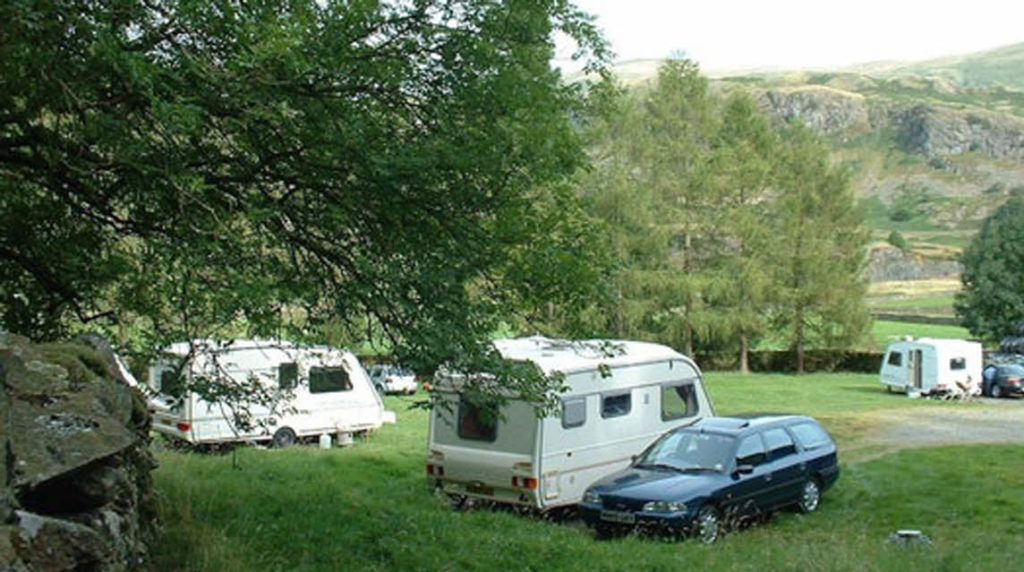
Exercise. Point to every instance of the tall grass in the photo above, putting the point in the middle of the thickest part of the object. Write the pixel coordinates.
(370, 507)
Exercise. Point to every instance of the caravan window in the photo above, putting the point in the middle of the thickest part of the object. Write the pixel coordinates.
(616, 405)
(678, 400)
(287, 375)
(957, 363)
(170, 383)
(574, 412)
(328, 379)
(478, 423)
(896, 358)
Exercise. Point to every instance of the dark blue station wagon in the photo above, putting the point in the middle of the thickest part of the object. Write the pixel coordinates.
(717, 472)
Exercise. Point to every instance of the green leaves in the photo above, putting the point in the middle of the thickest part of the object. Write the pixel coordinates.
(992, 300)
(262, 168)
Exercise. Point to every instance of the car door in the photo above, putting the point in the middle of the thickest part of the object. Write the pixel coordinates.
(788, 472)
(746, 495)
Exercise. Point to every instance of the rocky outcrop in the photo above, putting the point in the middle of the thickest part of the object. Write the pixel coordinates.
(923, 129)
(824, 109)
(78, 492)
(934, 132)
(889, 263)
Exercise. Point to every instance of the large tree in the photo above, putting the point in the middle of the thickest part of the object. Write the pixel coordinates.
(197, 166)
(746, 168)
(818, 249)
(992, 300)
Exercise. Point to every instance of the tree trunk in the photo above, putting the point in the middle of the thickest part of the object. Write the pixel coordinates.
(798, 339)
(744, 348)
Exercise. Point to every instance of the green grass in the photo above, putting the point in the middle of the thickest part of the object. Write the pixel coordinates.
(885, 332)
(938, 305)
(370, 508)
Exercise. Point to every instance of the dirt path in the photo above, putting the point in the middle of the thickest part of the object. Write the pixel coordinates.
(1001, 421)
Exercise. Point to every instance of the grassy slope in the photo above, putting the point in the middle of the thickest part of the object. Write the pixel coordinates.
(884, 332)
(370, 508)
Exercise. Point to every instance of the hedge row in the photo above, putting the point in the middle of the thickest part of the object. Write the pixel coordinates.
(785, 361)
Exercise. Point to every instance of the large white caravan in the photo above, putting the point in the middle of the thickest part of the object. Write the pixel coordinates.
(617, 403)
(321, 391)
(927, 365)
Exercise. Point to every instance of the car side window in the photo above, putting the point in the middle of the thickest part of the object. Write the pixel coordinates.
(810, 435)
(779, 443)
(751, 451)
(896, 358)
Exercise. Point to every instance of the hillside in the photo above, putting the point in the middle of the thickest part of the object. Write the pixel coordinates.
(935, 146)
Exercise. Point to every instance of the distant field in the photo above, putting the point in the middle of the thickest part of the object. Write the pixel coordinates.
(884, 332)
(370, 507)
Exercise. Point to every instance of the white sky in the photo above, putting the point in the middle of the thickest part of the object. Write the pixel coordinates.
(803, 33)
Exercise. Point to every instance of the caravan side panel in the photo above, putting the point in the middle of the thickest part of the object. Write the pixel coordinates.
(631, 409)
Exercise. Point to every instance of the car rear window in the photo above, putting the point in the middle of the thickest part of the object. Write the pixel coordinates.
(1013, 369)
(810, 435)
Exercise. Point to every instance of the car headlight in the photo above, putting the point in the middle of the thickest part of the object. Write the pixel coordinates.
(590, 497)
(664, 506)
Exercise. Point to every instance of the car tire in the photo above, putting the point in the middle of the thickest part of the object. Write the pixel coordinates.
(379, 388)
(995, 390)
(283, 437)
(810, 496)
(708, 524)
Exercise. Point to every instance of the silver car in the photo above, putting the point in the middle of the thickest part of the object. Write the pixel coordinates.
(392, 379)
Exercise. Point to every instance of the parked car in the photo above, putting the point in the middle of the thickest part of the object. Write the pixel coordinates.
(388, 378)
(1003, 379)
(718, 472)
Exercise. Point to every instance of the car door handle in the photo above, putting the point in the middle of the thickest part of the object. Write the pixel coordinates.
(767, 477)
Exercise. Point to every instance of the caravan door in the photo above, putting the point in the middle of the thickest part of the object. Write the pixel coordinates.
(914, 367)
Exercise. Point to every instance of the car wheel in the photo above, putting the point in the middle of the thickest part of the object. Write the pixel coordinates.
(709, 524)
(995, 390)
(283, 437)
(379, 388)
(810, 496)
(603, 531)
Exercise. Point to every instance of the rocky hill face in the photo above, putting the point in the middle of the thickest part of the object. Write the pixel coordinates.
(925, 129)
(934, 147)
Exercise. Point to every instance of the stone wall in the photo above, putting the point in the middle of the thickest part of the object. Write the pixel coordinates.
(78, 493)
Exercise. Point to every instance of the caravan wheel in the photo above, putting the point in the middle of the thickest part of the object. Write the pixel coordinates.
(283, 437)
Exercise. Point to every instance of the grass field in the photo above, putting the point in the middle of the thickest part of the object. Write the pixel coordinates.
(885, 332)
(370, 508)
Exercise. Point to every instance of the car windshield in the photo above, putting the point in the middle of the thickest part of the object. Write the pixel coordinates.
(688, 450)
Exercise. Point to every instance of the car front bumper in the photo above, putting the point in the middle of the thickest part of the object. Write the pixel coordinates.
(661, 522)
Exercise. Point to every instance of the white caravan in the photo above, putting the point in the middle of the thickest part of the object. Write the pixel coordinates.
(321, 391)
(617, 403)
(932, 366)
